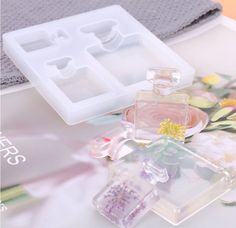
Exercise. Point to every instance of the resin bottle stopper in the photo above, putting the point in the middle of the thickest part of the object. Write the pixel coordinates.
(114, 147)
(165, 80)
(154, 172)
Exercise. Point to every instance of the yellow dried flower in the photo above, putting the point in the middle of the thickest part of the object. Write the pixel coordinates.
(227, 102)
(171, 129)
(211, 79)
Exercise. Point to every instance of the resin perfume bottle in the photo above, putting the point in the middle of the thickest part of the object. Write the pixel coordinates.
(130, 195)
(193, 182)
(161, 111)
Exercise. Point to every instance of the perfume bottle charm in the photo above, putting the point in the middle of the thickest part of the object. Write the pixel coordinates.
(130, 195)
(161, 111)
(125, 200)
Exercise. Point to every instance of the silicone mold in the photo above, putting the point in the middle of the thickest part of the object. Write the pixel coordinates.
(90, 64)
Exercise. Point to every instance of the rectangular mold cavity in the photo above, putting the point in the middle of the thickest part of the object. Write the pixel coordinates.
(83, 85)
(130, 62)
(34, 41)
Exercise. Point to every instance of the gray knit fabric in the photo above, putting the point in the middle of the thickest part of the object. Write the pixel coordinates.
(165, 18)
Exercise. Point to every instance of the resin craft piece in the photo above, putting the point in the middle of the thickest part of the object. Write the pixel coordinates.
(161, 111)
(193, 183)
(90, 64)
(128, 197)
(113, 144)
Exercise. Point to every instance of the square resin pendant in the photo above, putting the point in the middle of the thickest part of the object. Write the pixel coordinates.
(161, 111)
(193, 183)
(124, 201)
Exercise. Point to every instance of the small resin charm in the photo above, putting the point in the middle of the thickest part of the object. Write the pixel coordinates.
(114, 145)
(127, 198)
(124, 202)
(161, 111)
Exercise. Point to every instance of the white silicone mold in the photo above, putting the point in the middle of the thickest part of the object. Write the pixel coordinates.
(90, 64)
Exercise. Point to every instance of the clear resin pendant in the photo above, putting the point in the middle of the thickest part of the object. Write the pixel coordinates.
(130, 195)
(193, 182)
(161, 111)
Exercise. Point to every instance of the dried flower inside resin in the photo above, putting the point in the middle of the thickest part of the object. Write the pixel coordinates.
(118, 199)
(125, 202)
(171, 129)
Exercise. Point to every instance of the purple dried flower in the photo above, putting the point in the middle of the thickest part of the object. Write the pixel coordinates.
(118, 199)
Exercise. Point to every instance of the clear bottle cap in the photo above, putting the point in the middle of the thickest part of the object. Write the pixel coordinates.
(155, 172)
(165, 80)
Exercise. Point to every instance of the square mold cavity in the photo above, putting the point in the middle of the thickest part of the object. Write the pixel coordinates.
(34, 41)
(90, 64)
(84, 84)
(130, 62)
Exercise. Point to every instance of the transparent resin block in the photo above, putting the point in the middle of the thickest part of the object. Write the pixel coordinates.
(153, 111)
(193, 183)
(125, 200)
(161, 111)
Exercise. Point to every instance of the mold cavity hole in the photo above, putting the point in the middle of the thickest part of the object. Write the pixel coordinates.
(106, 32)
(60, 35)
(60, 63)
(34, 41)
(84, 84)
(132, 60)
